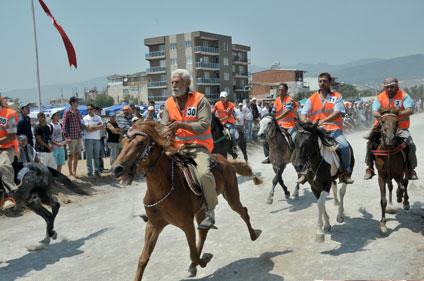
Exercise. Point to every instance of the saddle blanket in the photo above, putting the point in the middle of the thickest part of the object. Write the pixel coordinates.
(330, 156)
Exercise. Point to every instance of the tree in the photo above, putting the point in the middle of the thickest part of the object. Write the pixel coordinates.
(103, 100)
(348, 90)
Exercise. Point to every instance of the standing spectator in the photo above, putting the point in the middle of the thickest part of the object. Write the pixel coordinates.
(152, 103)
(264, 110)
(248, 117)
(150, 113)
(93, 125)
(161, 111)
(72, 130)
(114, 133)
(24, 124)
(102, 141)
(239, 114)
(26, 152)
(125, 118)
(58, 141)
(256, 117)
(138, 113)
(43, 142)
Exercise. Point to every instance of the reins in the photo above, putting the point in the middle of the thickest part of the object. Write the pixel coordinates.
(385, 152)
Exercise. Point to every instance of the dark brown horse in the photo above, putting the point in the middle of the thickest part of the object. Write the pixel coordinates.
(390, 158)
(168, 199)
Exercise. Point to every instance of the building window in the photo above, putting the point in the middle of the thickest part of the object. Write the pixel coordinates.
(207, 90)
(226, 46)
(173, 61)
(163, 77)
(162, 63)
(226, 76)
(173, 46)
(189, 60)
(188, 44)
(226, 61)
(205, 44)
(161, 47)
(227, 90)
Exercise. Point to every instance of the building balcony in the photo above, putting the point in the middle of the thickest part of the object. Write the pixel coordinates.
(207, 65)
(206, 50)
(158, 98)
(241, 89)
(208, 81)
(157, 84)
(239, 60)
(241, 75)
(155, 55)
(156, 69)
(212, 96)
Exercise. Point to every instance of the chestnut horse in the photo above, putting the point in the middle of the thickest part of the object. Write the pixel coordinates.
(168, 199)
(390, 158)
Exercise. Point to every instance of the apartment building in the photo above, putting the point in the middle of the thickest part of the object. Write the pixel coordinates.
(215, 63)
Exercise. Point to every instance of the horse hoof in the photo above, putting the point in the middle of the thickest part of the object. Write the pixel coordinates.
(269, 201)
(287, 195)
(296, 195)
(383, 229)
(327, 228)
(257, 234)
(54, 235)
(340, 219)
(206, 258)
(406, 206)
(192, 271)
(320, 238)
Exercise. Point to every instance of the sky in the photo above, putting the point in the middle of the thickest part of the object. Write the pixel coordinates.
(108, 34)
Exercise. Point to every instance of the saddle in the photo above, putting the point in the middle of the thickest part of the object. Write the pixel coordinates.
(288, 138)
(187, 166)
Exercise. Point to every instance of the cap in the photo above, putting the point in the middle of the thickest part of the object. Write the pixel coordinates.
(389, 81)
(22, 137)
(73, 99)
(240, 104)
(223, 94)
(253, 98)
(25, 105)
(150, 108)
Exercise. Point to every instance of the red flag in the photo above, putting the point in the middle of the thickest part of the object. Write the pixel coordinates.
(72, 57)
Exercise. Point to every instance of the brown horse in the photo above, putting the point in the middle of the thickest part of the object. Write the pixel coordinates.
(168, 199)
(390, 158)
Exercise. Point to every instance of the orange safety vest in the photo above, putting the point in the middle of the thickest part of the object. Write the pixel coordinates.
(225, 113)
(189, 114)
(396, 101)
(320, 111)
(280, 106)
(8, 118)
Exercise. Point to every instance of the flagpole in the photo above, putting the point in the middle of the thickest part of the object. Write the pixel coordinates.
(36, 55)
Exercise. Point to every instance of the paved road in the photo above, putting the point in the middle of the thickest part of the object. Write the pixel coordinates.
(100, 237)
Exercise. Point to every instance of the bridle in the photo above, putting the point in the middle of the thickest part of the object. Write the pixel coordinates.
(308, 164)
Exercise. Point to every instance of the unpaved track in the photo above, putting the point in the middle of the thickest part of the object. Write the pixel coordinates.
(100, 237)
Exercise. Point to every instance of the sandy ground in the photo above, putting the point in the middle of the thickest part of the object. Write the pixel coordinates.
(101, 236)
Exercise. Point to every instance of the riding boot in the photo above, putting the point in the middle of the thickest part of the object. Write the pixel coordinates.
(9, 203)
(208, 221)
(369, 173)
(301, 177)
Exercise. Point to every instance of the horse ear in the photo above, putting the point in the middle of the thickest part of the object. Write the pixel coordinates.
(314, 125)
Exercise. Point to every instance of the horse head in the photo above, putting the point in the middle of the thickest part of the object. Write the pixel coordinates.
(216, 127)
(141, 149)
(306, 144)
(388, 127)
(264, 126)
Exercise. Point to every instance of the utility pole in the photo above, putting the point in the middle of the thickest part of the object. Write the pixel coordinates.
(36, 55)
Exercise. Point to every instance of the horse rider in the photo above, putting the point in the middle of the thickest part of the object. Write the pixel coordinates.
(188, 114)
(8, 149)
(326, 107)
(225, 112)
(285, 110)
(393, 98)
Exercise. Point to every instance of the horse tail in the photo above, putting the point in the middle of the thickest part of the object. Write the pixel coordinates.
(67, 182)
(244, 169)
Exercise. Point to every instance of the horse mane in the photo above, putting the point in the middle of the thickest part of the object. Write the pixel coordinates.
(217, 122)
(158, 132)
(325, 137)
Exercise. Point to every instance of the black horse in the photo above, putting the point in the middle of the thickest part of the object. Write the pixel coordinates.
(308, 156)
(35, 189)
(222, 143)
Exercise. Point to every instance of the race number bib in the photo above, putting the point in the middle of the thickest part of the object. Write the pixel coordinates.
(398, 103)
(331, 99)
(3, 121)
(191, 111)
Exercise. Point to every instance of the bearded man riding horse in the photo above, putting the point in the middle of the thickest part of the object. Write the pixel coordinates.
(397, 101)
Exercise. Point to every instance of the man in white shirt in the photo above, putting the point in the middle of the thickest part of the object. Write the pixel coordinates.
(248, 118)
(238, 112)
(93, 125)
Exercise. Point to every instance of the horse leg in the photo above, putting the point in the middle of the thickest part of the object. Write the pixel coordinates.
(390, 209)
(206, 257)
(399, 191)
(242, 145)
(50, 200)
(271, 192)
(281, 182)
(151, 235)
(321, 210)
(36, 206)
(233, 199)
(405, 195)
(340, 214)
(383, 203)
(334, 189)
(194, 255)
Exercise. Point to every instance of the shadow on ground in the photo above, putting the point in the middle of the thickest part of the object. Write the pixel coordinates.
(303, 202)
(258, 268)
(19, 267)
